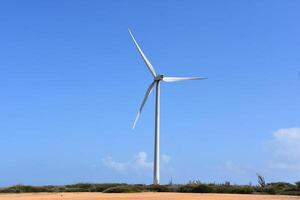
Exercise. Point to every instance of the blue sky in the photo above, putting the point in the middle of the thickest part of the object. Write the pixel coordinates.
(71, 82)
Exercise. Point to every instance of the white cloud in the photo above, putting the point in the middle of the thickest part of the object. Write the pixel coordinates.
(137, 165)
(109, 162)
(141, 161)
(285, 149)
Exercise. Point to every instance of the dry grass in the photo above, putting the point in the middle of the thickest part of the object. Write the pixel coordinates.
(140, 196)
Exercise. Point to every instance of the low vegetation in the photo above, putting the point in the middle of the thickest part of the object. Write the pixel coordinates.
(281, 188)
(125, 189)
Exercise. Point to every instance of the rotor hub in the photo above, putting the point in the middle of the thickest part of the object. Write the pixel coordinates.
(159, 77)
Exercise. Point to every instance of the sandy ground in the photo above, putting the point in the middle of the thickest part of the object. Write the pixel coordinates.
(139, 196)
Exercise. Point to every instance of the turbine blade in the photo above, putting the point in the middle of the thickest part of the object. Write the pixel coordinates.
(149, 90)
(174, 79)
(147, 62)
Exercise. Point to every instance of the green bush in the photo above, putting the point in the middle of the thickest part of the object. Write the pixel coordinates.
(87, 187)
(295, 193)
(124, 189)
(242, 190)
(24, 189)
(269, 190)
(195, 188)
(56, 188)
(159, 188)
(76, 190)
(222, 188)
(8, 190)
(279, 188)
(79, 187)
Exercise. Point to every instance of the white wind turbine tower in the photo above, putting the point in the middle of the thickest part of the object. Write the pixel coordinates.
(157, 78)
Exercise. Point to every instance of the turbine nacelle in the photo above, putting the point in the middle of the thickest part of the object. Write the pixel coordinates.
(159, 77)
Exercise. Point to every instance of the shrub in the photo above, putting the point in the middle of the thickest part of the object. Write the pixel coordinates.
(269, 190)
(242, 189)
(195, 188)
(295, 193)
(56, 188)
(192, 187)
(76, 190)
(159, 188)
(298, 185)
(124, 189)
(281, 185)
(25, 189)
(279, 188)
(222, 188)
(87, 187)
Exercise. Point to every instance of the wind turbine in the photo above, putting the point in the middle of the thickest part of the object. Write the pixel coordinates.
(157, 78)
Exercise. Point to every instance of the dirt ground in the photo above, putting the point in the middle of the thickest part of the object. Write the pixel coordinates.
(140, 196)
